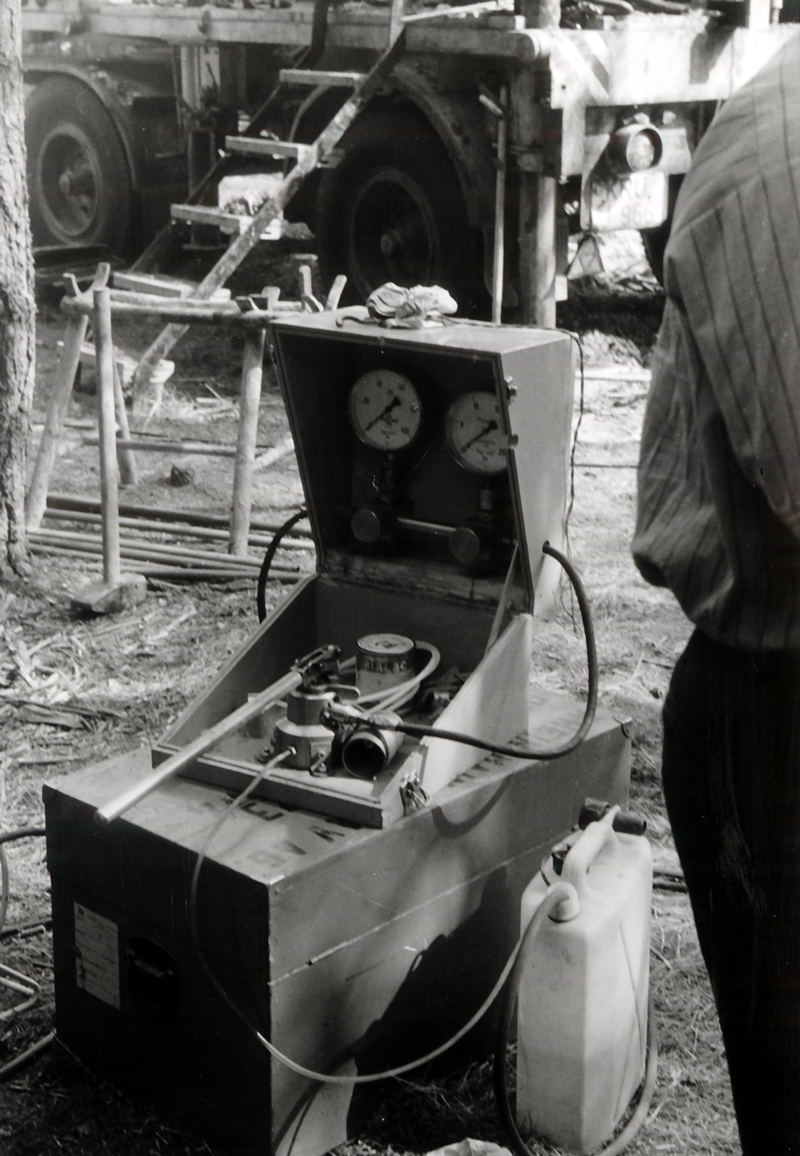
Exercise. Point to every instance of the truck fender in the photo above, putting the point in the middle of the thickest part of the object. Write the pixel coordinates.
(461, 123)
(98, 82)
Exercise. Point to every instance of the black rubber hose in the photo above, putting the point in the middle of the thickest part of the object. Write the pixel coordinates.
(24, 833)
(263, 574)
(418, 730)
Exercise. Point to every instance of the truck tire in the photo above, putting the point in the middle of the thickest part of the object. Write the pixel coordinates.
(393, 210)
(79, 181)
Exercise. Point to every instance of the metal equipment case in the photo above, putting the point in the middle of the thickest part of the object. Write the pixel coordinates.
(351, 934)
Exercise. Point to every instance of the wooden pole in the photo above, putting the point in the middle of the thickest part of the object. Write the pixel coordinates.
(104, 352)
(500, 213)
(125, 458)
(36, 498)
(246, 445)
(536, 243)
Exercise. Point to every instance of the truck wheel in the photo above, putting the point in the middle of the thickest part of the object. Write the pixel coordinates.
(393, 210)
(79, 181)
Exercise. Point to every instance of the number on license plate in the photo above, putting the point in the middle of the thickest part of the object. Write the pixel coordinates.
(638, 201)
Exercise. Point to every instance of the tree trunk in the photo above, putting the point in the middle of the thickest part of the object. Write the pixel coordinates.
(17, 307)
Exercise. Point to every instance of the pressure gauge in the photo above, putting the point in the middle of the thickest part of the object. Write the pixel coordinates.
(475, 434)
(385, 410)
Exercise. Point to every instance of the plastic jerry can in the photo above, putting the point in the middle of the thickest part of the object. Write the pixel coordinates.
(583, 991)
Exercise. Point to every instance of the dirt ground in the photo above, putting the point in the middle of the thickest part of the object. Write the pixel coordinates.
(130, 675)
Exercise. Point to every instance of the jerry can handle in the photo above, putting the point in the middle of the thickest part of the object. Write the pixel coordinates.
(581, 855)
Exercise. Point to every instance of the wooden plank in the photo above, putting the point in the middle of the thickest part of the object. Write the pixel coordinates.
(202, 215)
(317, 78)
(161, 286)
(272, 207)
(261, 147)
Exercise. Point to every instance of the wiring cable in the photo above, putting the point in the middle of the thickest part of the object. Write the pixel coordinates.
(576, 339)
(23, 833)
(26, 1056)
(558, 893)
(272, 549)
(420, 730)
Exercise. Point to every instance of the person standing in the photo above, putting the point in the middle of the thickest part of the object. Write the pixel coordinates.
(718, 523)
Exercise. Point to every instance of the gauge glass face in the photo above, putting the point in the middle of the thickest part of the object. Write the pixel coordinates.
(385, 410)
(475, 434)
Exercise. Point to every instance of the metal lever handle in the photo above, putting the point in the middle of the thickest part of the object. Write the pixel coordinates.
(182, 758)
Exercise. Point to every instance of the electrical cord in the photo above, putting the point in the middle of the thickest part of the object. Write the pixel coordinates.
(23, 833)
(420, 730)
(24, 1057)
(559, 892)
(272, 549)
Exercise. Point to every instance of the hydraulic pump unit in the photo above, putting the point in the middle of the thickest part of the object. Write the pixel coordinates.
(357, 907)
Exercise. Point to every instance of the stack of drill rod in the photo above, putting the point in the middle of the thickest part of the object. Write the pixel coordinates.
(169, 555)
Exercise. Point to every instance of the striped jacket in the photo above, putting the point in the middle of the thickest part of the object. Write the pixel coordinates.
(718, 518)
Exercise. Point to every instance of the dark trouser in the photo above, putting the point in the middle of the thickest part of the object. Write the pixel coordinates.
(732, 784)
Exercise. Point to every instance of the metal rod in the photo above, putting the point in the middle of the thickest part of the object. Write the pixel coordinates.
(193, 750)
(203, 533)
(158, 570)
(108, 451)
(148, 549)
(92, 505)
(167, 447)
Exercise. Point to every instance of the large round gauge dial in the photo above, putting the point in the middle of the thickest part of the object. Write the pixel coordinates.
(385, 410)
(475, 434)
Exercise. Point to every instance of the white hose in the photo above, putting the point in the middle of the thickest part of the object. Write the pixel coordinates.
(393, 696)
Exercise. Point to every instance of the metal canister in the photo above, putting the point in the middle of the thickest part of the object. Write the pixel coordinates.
(383, 661)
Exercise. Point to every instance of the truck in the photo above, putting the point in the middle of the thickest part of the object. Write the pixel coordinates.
(496, 143)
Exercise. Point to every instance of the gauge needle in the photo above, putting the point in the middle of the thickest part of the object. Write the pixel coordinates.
(392, 405)
(488, 428)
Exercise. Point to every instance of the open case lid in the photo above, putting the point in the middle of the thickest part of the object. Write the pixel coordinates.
(452, 447)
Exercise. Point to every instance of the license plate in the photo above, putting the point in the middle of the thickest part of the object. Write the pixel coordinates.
(638, 201)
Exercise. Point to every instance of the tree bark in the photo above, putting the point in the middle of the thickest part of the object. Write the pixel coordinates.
(17, 306)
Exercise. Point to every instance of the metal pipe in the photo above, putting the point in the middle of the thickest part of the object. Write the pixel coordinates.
(190, 517)
(134, 549)
(204, 533)
(193, 750)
